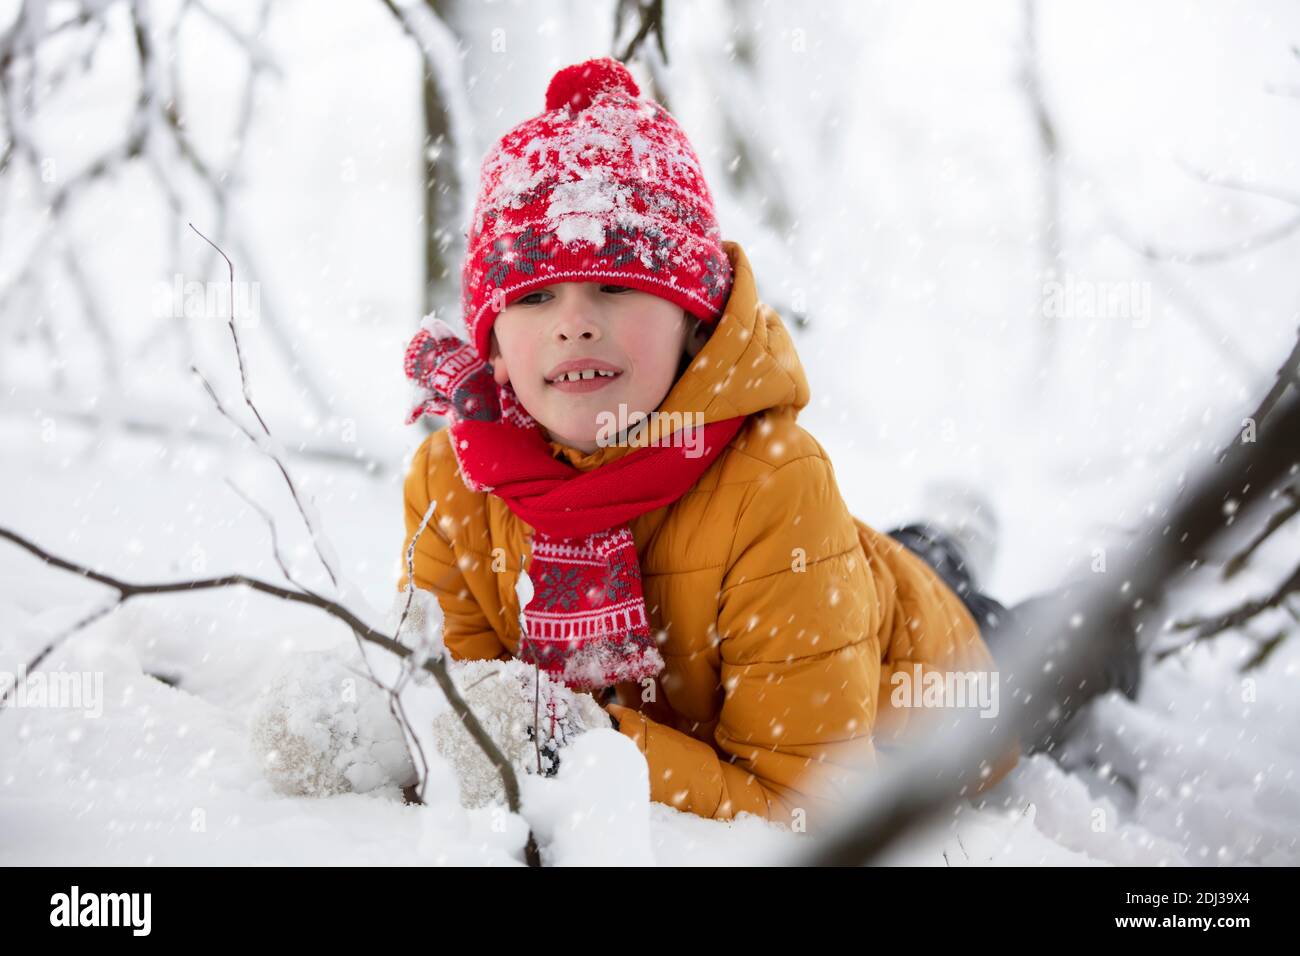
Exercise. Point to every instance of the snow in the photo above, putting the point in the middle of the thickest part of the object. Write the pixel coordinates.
(173, 774)
(596, 812)
(907, 158)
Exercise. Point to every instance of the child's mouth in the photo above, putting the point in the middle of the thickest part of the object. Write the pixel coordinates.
(592, 384)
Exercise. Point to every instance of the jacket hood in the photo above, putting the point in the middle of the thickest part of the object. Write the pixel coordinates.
(748, 365)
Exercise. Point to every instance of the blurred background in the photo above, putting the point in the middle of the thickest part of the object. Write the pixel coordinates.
(1048, 250)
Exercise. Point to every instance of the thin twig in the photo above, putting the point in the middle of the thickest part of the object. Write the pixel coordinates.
(651, 20)
(275, 544)
(1216, 624)
(1275, 521)
(258, 443)
(1288, 376)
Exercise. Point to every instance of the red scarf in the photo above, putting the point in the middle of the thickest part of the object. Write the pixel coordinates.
(586, 623)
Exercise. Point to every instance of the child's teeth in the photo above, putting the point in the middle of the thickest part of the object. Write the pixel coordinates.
(584, 374)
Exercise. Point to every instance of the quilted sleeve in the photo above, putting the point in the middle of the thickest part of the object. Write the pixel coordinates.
(437, 568)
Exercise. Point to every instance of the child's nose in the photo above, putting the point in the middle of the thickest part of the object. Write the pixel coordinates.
(578, 322)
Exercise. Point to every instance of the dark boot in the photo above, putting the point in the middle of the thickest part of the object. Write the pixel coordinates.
(941, 551)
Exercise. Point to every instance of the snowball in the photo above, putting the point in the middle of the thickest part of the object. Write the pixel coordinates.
(504, 696)
(322, 728)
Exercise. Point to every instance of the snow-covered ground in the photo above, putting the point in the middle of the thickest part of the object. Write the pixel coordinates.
(917, 272)
(167, 774)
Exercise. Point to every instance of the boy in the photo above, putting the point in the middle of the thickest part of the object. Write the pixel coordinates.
(623, 422)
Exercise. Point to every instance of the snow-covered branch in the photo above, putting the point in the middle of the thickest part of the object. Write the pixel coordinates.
(1092, 618)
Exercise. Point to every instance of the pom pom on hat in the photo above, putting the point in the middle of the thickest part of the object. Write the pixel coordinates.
(576, 86)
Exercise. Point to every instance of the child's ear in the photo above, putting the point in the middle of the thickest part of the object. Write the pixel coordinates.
(499, 372)
(697, 333)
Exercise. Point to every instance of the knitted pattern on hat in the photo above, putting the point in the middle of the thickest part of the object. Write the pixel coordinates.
(602, 186)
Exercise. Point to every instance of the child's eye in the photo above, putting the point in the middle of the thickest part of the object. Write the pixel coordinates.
(529, 300)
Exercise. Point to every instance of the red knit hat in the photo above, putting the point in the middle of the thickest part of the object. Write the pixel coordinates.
(602, 185)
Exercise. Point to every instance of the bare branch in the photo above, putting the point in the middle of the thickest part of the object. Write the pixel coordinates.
(265, 442)
(1264, 651)
(275, 544)
(54, 642)
(293, 490)
(1275, 521)
(1288, 376)
(1050, 248)
(650, 20)
(410, 563)
(933, 772)
(1210, 626)
(259, 57)
(142, 418)
(1279, 193)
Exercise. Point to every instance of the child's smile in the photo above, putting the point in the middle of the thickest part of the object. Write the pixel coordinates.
(574, 350)
(583, 375)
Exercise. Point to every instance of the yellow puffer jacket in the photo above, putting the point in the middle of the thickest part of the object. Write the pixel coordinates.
(781, 617)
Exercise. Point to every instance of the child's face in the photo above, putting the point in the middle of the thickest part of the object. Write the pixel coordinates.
(638, 335)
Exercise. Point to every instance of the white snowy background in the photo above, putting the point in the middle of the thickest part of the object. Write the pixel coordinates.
(902, 144)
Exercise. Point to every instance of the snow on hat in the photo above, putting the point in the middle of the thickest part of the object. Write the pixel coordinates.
(601, 185)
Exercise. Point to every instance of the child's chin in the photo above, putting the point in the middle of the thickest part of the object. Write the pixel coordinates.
(575, 428)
